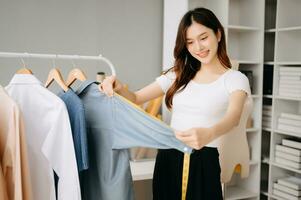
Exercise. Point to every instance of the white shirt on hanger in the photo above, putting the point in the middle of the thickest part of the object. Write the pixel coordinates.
(49, 139)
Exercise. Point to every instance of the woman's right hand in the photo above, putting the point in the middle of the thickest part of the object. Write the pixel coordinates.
(110, 85)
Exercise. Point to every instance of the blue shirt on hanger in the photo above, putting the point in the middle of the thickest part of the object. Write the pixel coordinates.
(76, 113)
(114, 125)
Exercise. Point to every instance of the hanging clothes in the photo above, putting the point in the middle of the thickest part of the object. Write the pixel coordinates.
(49, 139)
(113, 123)
(76, 114)
(14, 170)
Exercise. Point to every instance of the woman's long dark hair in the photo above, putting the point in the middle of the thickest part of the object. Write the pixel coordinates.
(186, 66)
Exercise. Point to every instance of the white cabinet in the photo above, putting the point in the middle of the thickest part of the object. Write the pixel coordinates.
(245, 44)
(264, 37)
(241, 13)
(282, 51)
(142, 170)
(245, 36)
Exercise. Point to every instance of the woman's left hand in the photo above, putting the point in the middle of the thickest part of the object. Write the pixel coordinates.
(196, 138)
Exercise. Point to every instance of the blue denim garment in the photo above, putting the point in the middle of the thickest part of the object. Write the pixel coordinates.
(114, 125)
(76, 113)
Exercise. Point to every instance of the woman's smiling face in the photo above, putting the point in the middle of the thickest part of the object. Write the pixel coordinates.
(202, 42)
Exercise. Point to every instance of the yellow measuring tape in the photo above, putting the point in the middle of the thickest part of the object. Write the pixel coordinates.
(185, 175)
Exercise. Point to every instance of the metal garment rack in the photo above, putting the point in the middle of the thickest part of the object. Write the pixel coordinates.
(58, 57)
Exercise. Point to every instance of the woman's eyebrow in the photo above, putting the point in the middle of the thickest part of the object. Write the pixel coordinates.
(197, 36)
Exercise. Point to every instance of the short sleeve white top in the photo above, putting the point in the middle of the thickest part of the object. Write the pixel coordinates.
(203, 104)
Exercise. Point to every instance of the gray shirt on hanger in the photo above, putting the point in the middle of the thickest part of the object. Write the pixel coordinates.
(113, 125)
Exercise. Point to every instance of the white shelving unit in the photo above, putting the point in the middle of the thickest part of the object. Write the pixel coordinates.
(142, 170)
(263, 36)
(282, 48)
(245, 37)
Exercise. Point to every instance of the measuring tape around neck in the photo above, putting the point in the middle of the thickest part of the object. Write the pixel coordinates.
(185, 175)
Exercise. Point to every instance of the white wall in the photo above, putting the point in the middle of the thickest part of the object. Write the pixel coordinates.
(128, 32)
(173, 13)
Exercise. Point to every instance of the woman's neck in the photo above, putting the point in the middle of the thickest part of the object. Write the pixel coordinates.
(214, 67)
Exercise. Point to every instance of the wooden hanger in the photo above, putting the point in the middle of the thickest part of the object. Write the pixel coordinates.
(55, 75)
(75, 74)
(24, 71)
(153, 106)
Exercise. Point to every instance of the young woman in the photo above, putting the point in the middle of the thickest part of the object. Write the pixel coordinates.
(206, 98)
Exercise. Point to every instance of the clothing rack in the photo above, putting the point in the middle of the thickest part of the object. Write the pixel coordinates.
(58, 57)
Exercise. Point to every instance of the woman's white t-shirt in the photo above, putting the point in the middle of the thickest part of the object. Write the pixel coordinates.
(203, 104)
